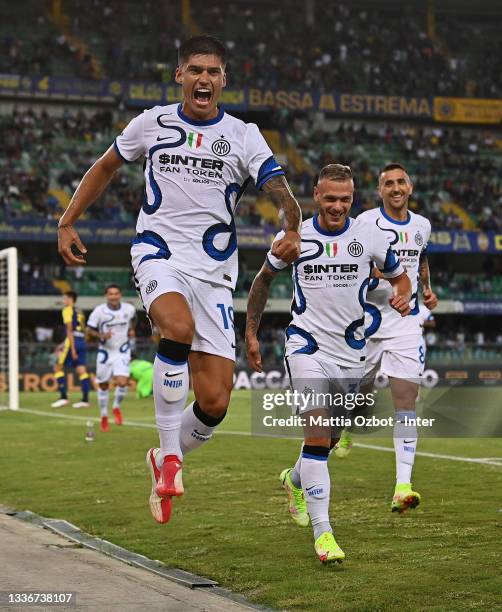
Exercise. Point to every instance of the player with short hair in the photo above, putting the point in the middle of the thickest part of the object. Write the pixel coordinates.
(395, 345)
(198, 161)
(325, 344)
(113, 324)
(73, 352)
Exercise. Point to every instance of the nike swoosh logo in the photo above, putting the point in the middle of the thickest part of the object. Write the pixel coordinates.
(171, 375)
(409, 441)
(233, 345)
(313, 487)
(165, 138)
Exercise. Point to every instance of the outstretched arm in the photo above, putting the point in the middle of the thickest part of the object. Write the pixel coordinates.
(288, 248)
(430, 298)
(90, 188)
(257, 300)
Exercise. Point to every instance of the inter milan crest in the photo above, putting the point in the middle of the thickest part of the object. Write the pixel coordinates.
(221, 147)
(418, 239)
(355, 249)
(152, 285)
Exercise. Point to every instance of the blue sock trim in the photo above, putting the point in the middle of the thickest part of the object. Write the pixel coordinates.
(170, 361)
(316, 457)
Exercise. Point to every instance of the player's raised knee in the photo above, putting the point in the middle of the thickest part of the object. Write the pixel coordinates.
(179, 331)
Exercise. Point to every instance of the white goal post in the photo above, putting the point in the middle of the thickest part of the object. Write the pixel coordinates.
(9, 338)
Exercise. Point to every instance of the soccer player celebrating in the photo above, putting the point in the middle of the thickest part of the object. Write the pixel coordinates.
(395, 345)
(325, 344)
(113, 324)
(73, 352)
(198, 161)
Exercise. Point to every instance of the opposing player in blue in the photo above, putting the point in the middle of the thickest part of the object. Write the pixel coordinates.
(198, 161)
(325, 346)
(395, 345)
(73, 353)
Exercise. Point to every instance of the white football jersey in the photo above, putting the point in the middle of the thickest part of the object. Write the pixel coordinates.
(409, 241)
(104, 319)
(195, 173)
(330, 279)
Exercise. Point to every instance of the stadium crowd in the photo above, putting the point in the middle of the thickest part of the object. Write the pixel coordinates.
(43, 158)
(359, 48)
(448, 165)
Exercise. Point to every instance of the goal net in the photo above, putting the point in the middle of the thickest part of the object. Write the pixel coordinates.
(9, 347)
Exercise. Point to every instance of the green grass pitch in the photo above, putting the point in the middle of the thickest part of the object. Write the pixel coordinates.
(232, 524)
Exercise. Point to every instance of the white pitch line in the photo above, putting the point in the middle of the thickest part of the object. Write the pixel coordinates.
(481, 461)
(435, 455)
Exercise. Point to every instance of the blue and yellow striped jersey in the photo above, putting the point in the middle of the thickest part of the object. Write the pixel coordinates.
(74, 316)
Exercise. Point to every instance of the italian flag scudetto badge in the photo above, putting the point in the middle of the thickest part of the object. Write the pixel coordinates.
(331, 248)
(194, 140)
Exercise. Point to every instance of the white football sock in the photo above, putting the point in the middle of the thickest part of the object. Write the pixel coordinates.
(316, 488)
(194, 432)
(170, 392)
(405, 445)
(295, 474)
(120, 393)
(103, 395)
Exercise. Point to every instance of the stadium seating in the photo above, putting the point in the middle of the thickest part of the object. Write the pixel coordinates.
(448, 166)
(95, 279)
(35, 45)
(457, 172)
(365, 50)
(38, 181)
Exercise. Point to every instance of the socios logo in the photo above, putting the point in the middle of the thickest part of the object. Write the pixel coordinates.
(221, 147)
(355, 249)
(152, 285)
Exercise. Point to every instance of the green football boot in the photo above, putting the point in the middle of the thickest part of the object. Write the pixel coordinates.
(327, 549)
(296, 499)
(404, 498)
(344, 445)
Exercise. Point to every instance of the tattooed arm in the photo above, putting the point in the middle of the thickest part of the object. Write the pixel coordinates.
(430, 298)
(288, 248)
(257, 300)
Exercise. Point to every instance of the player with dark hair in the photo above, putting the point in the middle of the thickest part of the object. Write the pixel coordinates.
(198, 161)
(73, 352)
(325, 346)
(395, 345)
(112, 323)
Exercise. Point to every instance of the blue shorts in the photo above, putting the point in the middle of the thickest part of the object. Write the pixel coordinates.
(65, 359)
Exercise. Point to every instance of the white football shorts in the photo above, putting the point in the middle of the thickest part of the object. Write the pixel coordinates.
(310, 373)
(211, 304)
(402, 357)
(112, 363)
